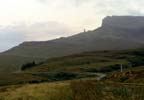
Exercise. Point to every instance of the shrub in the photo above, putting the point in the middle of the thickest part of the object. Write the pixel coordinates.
(136, 61)
(64, 76)
(28, 65)
(110, 68)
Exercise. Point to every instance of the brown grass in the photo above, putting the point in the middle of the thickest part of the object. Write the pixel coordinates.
(73, 90)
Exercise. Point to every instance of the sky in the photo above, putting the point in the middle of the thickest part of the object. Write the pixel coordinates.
(40, 20)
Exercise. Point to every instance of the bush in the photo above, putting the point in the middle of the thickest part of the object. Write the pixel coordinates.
(28, 65)
(64, 76)
(110, 68)
(136, 61)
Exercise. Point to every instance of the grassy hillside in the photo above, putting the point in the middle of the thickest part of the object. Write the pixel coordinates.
(86, 89)
(74, 90)
(114, 34)
(79, 70)
(12, 63)
(30, 78)
(50, 91)
(99, 61)
(76, 66)
(27, 52)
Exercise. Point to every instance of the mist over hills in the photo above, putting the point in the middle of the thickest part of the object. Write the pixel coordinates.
(116, 33)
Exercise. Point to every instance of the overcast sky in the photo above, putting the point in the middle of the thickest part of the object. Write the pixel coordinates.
(33, 20)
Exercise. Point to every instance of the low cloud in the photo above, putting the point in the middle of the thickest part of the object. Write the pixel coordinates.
(73, 15)
(42, 1)
(15, 34)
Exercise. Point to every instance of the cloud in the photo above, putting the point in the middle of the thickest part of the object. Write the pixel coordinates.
(10, 38)
(17, 33)
(48, 19)
(72, 12)
(42, 1)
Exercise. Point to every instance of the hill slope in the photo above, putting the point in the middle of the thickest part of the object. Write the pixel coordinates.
(116, 33)
(83, 65)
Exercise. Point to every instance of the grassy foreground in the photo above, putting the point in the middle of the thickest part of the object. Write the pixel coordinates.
(73, 90)
(44, 91)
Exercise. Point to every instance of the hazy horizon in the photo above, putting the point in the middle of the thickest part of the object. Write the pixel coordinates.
(40, 20)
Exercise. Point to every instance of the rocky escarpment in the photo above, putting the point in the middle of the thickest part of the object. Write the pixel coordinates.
(126, 22)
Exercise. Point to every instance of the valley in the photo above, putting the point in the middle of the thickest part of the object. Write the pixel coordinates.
(104, 64)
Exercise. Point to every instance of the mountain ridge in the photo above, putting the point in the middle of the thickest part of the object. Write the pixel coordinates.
(114, 34)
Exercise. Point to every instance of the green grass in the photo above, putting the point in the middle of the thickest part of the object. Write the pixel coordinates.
(45, 91)
(73, 90)
(12, 63)
(26, 78)
(27, 84)
(80, 62)
(96, 59)
(78, 65)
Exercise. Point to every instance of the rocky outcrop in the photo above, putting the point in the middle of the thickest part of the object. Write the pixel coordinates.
(126, 22)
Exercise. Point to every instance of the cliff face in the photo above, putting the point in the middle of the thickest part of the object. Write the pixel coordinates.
(123, 27)
(131, 22)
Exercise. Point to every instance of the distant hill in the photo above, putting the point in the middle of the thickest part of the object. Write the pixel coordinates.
(116, 33)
